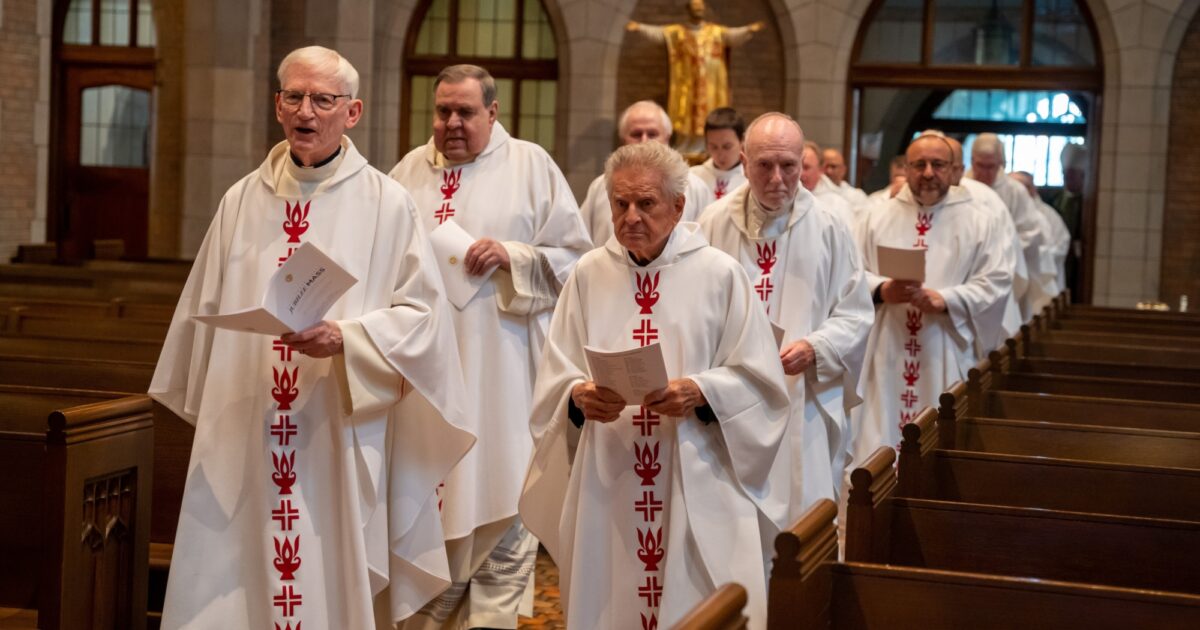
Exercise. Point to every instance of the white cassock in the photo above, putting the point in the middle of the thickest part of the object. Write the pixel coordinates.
(597, 210)
(807, 272)
(513, 193)
(912, 357)
(308, 492)
(828, 193)
(1011, 321)
(853, 196)
(1059, 240)
(650, 514)
(1025, 217)
(719, 182)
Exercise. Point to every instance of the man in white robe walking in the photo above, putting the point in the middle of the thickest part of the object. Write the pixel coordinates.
(644, 121)
(509, 195)
(924, 334)
(722, 172)
(808, 275)
(834, 165)
(666, 498)
(1059, 236)
(310, 501)
(815, 181)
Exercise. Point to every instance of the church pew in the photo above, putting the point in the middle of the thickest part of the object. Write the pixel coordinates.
(720, 611)
(1101, 313)
(809, 589)
(74, 483)
(1131, 552)
(154, 283)
(110, 308)
(1137, 328)
(19, 320)
(128, 349)
(93, 374)
(1111, 412)
(928, 472)
(1107, 369)
(1095, 337)
(1035, 341)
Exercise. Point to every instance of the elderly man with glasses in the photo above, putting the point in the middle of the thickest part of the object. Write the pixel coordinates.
(924, 333)
(309, 502)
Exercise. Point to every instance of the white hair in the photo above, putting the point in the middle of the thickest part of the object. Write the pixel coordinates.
(988, 144)
(646, 156)
(664, 119)
(1074, 156)
(322, 61)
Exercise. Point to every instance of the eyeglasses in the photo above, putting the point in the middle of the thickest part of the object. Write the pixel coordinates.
(323, 102)
(920, 165)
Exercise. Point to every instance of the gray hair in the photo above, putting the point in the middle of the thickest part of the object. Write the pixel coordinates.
(463, 71)
(989, 144)
(647, 156)
(762, 118)
(664, 119)
(322, 61)
(1074, 156)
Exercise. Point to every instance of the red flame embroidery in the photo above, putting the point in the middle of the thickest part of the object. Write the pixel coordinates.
(912, 372)
(450, 183)
(766, 257)
(287, 558)
(647, 466)
(651, 623)
(284, 475)
(924, 222)
(651, 552)
(288, 626)
(285, 391)
(647, 295)
(721, 188)
(296, 223)
(914, 322)
(905, 417)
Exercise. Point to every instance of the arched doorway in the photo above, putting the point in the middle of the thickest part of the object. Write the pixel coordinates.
(1018, 68)
(104, 58)
(513, 39)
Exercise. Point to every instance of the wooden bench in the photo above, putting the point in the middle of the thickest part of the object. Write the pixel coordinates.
(1107, 338)
(144, 281)
(808, 589)
(1121, 327)
(1109, 412)
(116, 349)
(720, 611)
(115, 307)
(131, 377)
(75, 528)
(1128, 370)
(1131, 552)
(928, 472)
(20, 320)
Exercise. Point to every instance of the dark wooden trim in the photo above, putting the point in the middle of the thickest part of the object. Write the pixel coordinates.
(133, 21)
(519, 33)
(452, 29)
(95, 21)
(516, 108)
(107, 55)
(499, 67)
(951, 125)
(964, 77)
(1026, 57)
(927, 33)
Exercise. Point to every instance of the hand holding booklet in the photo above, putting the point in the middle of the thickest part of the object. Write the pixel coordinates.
(901, 264)
(298, 296)
(630, 373)
(450, 244)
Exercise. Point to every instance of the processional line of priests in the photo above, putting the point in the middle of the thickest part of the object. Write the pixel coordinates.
(396, 464)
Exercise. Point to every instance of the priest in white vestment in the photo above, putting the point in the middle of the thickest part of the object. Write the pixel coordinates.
(310, 500)
(818, 184)
(834, 165)
(647, 506)
(510, 196)
(1059, 236)
(924, 335)
(722, 172)
(987, 167)
(808, 275)
(644, 121)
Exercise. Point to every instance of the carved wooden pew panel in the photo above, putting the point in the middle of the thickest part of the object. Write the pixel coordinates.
(98, 374)
(1139, 414)
(1128, 370)
(115, 349)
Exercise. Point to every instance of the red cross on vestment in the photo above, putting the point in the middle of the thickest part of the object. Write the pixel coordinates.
(909, 398)
(284, 350)
(651, 591)
(645, 334)
(443, 213)
(648, 505)
(912, 347)
(764, 288)
(646, 420)
(285, 514)
(283, 429)
(288, 601)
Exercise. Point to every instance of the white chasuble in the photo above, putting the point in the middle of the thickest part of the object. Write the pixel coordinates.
(807, 272)
(307, 493)
(913, 356)
(650, 514)
(831, 196)
(1033, 239)
(718, 182)
(513, 193)
(1014, 259)
(597, 211)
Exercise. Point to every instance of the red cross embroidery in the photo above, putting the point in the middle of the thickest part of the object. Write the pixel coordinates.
(646, 334)
(913, 347)
(764, 288)
(288, 601)
(285, 514)
(909, 398)
(648, 505)
(443, 213)
(651, 591)
(284, 350)
(283, 430)
(283, 259)
(646, 420)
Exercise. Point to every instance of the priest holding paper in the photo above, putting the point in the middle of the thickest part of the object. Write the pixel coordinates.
(310, 501)
(647, 505)
(925, 328)
(507, 234)
(808, 276)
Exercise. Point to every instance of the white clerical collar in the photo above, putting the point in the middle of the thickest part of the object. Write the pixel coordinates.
(498, 138)
(292, 180)
(764, 223)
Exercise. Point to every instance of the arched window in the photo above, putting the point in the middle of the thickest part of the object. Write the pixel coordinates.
(104, 110)
(513, 39)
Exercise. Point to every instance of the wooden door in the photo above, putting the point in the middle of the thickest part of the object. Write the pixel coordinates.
(105, 149)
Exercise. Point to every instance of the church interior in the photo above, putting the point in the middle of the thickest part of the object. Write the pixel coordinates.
(1062, 476)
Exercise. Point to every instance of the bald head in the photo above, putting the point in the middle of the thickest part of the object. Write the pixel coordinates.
(644, 121)
(772, 154)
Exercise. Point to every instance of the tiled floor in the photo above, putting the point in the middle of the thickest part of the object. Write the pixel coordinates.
(547, 614)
